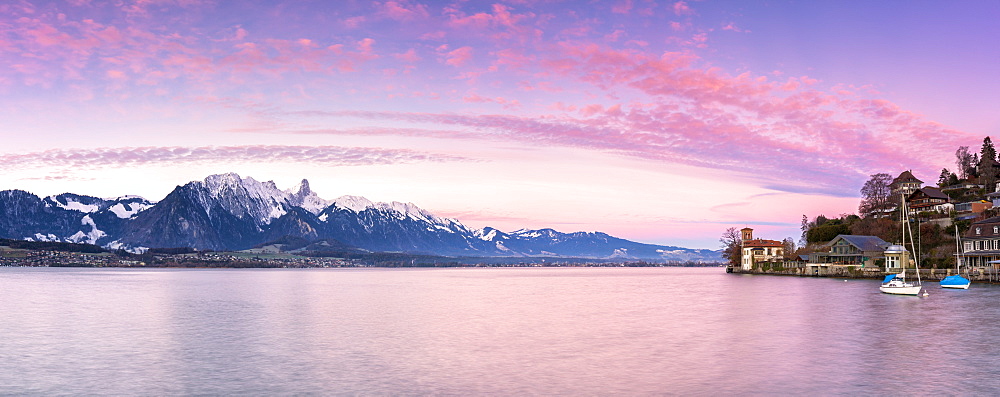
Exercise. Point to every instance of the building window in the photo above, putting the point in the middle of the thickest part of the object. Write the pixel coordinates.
(978, 231)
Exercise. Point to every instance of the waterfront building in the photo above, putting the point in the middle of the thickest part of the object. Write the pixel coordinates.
(981, 244)
(897, 258)
(759, 251)
(904, 184)
(851, 250)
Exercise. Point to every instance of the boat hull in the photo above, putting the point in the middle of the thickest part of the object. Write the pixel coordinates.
(955, 282)
(903, 290)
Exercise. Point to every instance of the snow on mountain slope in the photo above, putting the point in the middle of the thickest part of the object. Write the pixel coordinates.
(244, 197)
(90, 237)
(127, 210)
(401, 210)
(302, 196)
(75, 202)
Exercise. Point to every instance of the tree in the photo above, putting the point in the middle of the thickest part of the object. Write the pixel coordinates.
(964, 161)
(789, 246)
(988, 165)
(732, 246)
(825, 233)
(820, 220)
(883, 228)
(945, 178)
(805, 229)
(875, 195)
(953, 180)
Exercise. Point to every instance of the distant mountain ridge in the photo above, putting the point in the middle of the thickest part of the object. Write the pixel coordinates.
(229, 212)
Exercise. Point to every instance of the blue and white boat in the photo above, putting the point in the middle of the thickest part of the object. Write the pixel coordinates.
(957, 281)
(896, 284)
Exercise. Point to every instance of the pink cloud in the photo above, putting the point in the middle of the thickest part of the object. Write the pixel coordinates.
(507, 103)
(682, 8)
(408, 56)
(354, 22)
(403, 10)
(459, 56)
(502, 25)
(622, 7)
(732, 27)
(706, 118)
(433, 36)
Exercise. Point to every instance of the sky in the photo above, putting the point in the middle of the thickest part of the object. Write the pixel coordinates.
(662, 122)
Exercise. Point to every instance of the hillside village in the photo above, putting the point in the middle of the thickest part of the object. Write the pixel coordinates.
(866, 244)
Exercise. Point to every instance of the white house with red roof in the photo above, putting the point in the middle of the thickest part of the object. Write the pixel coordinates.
(760, 250)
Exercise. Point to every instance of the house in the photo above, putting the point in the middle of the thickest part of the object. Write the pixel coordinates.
(759, 251)
(929, 199)
(963, 184)
(981, 243)
(851, 250)
(904, 184)
(995, 196)
(971, 210)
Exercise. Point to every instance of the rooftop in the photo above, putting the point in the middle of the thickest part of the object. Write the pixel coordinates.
(864, 243)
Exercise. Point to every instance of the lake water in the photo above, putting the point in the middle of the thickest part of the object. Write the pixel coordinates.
(510, 331)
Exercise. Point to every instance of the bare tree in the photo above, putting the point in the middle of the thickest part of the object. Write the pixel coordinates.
(875, 195)
(964, 161)
(789, 245)
(805, 231)
(732, 246)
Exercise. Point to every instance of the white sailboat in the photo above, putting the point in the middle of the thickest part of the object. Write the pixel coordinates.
(897, 284)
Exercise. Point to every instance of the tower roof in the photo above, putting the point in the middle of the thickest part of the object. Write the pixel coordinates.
(906, 177)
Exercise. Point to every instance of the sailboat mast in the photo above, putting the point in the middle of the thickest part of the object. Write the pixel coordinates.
(958, 251)
(906, 228)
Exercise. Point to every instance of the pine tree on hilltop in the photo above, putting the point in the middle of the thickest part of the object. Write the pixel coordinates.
(945, 178)
(988, 165)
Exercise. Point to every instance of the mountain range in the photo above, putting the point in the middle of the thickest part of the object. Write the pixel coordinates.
(229, 212)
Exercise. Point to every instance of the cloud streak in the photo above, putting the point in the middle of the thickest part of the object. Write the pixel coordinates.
(333, 156)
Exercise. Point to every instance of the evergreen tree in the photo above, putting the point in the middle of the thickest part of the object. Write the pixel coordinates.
(945, 177)
(988, 165)
(953, 180)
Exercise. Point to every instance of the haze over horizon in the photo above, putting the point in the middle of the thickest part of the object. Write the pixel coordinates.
(658, 122)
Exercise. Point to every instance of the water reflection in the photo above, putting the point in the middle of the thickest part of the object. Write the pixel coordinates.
(485, 331)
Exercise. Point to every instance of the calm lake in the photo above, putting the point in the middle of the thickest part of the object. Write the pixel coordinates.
(511, 331)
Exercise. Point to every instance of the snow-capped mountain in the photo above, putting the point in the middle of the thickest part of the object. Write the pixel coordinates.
(230, 212)
(66, 217)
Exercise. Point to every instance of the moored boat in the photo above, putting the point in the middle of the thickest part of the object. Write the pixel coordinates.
(896, 284)
(957, 281)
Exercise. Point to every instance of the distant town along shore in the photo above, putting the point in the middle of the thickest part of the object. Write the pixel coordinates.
(57, 254)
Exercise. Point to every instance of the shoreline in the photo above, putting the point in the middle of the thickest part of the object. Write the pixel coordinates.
(849, 272)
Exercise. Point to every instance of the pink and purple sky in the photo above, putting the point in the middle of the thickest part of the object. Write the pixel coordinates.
(660, 122)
